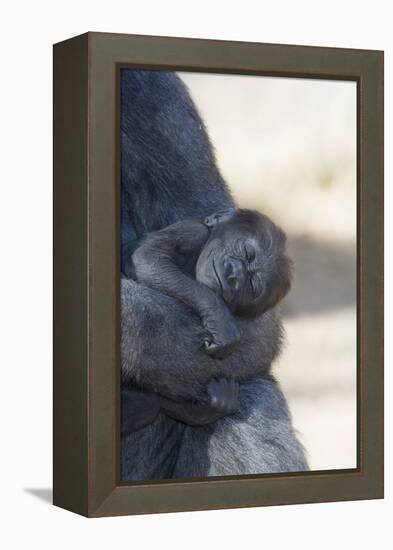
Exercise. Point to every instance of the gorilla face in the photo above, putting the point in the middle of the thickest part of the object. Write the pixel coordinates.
(244, 261)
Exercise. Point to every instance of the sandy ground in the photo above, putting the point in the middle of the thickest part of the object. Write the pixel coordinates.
(287, 147)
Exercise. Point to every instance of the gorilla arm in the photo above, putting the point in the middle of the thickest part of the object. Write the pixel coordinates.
(223, 397)
(157, 263)
(140, 408)
(161, 346)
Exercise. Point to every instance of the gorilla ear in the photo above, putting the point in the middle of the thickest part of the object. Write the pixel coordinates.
(219, 217)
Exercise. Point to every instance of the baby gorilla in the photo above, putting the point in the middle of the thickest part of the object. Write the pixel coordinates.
(233, 263)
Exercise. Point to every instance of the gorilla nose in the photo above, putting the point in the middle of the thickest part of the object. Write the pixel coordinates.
(233, 270)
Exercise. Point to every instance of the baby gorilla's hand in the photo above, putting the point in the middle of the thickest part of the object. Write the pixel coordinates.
(222, 399)
(223, 333)
(224, 395)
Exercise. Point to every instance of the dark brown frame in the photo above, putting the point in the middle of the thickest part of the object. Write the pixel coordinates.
(86, 274)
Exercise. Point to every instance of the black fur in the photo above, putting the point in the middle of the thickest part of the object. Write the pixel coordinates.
(168, 170)
(236, 264)
(169, 174)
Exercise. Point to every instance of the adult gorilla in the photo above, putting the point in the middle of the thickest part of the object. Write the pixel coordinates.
(169, 174)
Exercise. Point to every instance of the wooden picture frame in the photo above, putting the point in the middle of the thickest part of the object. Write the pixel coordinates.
(86, 274)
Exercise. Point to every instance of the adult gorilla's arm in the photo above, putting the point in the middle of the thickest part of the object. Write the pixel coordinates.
(161, 346)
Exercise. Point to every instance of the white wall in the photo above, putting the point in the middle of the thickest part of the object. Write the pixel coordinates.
(27, 31)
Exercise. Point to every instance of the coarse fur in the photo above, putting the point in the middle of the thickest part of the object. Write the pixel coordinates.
(235, 264)
(168, 170)
(169, 174)
(161, 345)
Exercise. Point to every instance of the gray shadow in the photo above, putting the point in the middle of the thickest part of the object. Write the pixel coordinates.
(43, 494)
(324, 276)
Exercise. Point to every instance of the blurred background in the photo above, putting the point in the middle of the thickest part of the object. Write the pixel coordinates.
(287, 147)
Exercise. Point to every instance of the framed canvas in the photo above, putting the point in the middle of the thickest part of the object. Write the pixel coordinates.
(209, 195)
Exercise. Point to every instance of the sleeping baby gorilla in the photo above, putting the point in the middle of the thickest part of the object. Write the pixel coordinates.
(231, 264)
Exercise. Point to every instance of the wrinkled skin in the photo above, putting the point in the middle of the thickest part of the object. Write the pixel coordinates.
(244, 261)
